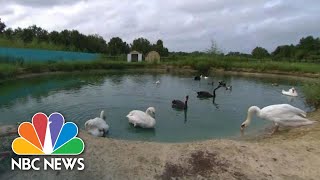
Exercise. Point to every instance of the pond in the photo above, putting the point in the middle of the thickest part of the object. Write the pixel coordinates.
(80, 97)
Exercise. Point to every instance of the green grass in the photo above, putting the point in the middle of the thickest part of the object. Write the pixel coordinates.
(312, 93)
(15, 43)
(13, 68)
(8, 70)
(204, 63)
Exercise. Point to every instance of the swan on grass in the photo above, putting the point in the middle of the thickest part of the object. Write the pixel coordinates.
(280, 114)
(97, 126)
(142, 119)
(290, 92)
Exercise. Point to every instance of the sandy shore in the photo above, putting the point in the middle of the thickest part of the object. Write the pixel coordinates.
(288, 154)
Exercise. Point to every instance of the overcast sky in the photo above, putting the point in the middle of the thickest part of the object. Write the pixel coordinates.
(183, 25)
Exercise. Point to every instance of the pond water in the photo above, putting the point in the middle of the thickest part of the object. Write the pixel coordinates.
(80, 97)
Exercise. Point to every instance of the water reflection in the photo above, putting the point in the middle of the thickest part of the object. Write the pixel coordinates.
(185, 116)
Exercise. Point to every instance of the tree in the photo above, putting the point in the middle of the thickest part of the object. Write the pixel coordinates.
(285, 51)
(259, 53)
(213, 49)
(116, 47)
(2, 26)
(142, 45)
(160, 48)
(8, 33)
(27, 35)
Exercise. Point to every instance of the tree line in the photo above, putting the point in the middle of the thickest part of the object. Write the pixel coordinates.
(308, 48)
(73, 40)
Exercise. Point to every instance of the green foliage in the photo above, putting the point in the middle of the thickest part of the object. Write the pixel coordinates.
(141, 45)
(259, 53)
(8, 70)
(36, 37)
(164, 52)
(307, 49)
(144, 46)
(117, 47)
(312, 93)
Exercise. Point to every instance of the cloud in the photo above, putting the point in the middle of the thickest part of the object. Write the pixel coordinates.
(183, 25)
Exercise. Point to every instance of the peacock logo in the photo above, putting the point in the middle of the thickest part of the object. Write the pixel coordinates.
(48, 136)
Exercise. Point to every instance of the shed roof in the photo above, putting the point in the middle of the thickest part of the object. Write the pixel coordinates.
(134, 52)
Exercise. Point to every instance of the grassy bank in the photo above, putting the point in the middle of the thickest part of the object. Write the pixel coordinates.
(16, 43)
(10, 70)
(204, 63)
(312, 93)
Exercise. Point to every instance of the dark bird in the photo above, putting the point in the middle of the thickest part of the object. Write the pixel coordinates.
(205, 94)
(177, 104)
(222, 84)
(197, 78)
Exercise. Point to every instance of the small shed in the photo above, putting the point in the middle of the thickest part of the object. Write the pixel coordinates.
(134, 56)
(153, 56)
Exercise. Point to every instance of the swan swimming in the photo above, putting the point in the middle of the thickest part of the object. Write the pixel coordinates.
(177, 104)
(205, 94)
(280, 114)
(97, 126)
(142, 119)
(290, 92)
(158, 82)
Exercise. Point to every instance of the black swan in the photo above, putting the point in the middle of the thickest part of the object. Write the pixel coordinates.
(197, 78)
(205, 94)
(222, 83)
(177, 104)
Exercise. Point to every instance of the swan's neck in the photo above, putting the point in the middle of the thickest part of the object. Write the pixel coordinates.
(251, 111)
(186, 104)
(149, 113)
(214, 91)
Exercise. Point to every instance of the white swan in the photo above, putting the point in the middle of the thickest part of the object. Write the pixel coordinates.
(142, 119)
(158, 82)
(279, 114)
(97, 126)
(205, 77)
(291, 92)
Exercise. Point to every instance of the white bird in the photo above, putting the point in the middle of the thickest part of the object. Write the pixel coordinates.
(97, 126)
(229, 88)
(291, 92)
(205, 77)
(158, 82)
(142, 119)
(280, 114)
